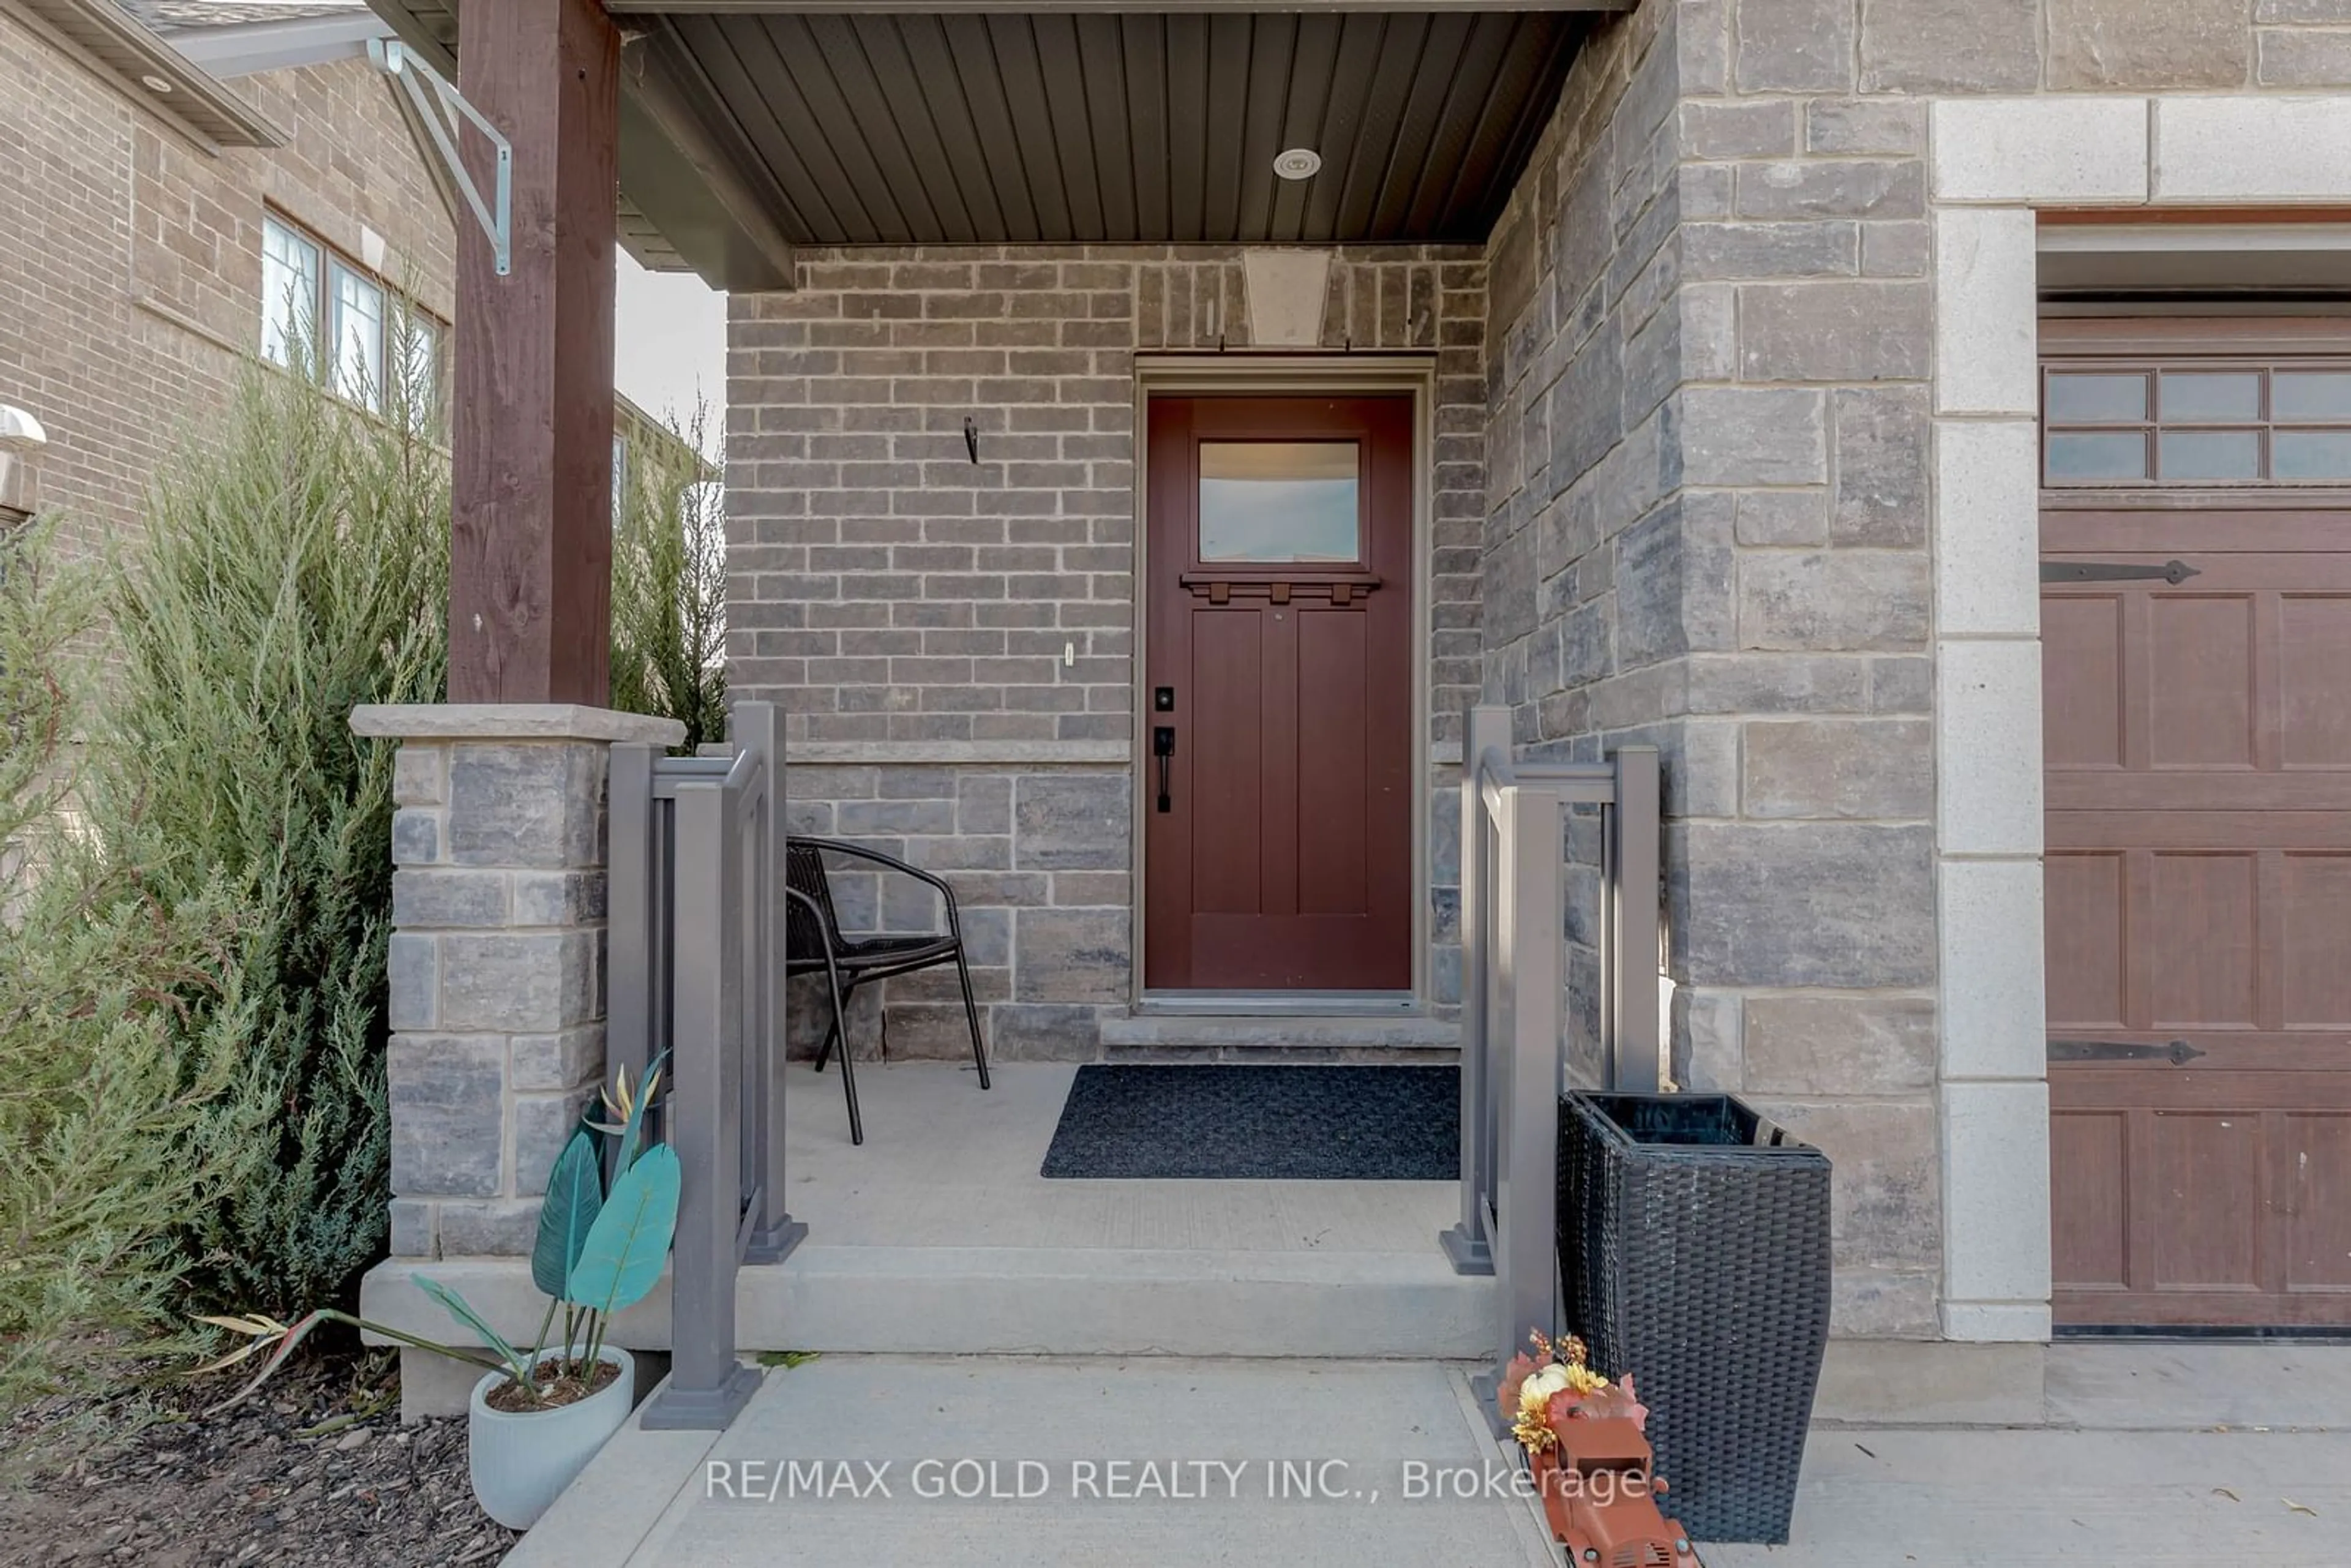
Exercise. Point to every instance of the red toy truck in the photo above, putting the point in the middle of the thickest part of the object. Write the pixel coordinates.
(1601, 1500)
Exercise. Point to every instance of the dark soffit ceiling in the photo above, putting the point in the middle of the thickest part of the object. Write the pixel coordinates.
(885, 126)
(881, 129)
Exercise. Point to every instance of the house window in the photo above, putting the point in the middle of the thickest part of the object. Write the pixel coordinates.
(416, 346)
(358, 316)
(289, 291)
(363, 330)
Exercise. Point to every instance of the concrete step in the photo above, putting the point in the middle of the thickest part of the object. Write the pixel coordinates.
(1187, 1037)
(1029, 1300)
(999, 1300)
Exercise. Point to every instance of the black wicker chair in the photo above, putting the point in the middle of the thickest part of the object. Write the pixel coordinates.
(815, 944)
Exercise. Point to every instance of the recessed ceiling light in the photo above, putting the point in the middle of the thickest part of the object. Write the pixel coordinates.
(1297, 164)
(154, 84)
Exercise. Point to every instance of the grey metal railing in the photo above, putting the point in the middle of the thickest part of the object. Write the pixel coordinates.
(695, 967)
(1514, 892)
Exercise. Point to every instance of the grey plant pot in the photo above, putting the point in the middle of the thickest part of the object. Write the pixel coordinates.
(520, 1463)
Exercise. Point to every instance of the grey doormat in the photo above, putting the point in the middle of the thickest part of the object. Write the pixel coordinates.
(1263, 1124)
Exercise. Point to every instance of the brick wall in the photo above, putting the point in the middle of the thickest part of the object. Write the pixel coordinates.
(953, 642)
(131, 260)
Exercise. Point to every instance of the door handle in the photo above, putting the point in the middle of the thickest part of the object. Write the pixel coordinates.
(1163, 747)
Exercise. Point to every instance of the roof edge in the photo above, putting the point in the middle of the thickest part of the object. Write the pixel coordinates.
(249, 48)
(672, 213)
(125, 53)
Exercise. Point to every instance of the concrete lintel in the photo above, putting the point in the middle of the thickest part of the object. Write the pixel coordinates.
(511, 721)
(1286, 292)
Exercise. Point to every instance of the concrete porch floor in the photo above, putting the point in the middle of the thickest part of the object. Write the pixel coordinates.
(939, 1230)
(938, 1235)
(944, 1164)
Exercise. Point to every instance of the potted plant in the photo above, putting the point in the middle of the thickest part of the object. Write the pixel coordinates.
(539, 1414)
(1589, 1462)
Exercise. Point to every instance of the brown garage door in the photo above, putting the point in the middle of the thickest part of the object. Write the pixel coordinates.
(2196, 627)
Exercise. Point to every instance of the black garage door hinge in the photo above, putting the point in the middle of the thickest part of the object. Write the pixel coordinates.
(2179, 1053)
(2171, 571)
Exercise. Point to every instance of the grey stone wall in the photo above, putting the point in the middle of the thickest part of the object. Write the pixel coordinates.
(497, 983)
(952, 644)
(1708, 459)
(1940, 47)
(1802, 870)
(1582, 560)
(1707, 529)
(1038, 856)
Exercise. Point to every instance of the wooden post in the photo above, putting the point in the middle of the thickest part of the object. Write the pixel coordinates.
(530, 562)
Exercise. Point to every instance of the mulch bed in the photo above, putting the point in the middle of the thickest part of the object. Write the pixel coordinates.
(250, 1488)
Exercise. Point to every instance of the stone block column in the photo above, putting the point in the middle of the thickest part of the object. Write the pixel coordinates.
(499, 843)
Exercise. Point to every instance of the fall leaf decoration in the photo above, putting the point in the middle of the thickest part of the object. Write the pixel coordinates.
(1540, 1392)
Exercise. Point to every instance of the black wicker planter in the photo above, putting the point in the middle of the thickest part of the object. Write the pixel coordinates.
(1694, 1248)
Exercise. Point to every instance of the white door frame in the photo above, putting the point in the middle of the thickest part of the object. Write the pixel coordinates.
(1995, 163)
(1300, 375)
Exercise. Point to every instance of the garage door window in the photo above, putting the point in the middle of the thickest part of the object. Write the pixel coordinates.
(2157, 425)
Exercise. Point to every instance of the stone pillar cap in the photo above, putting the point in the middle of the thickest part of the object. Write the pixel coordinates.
(511, 721)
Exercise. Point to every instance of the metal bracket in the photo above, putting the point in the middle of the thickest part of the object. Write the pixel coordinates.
(2174, 572)
(440, 110)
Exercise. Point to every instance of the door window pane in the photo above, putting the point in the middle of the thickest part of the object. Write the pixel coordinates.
(358, 308)
(2211, 455)
(2077, 399)
(2303, 456)
(2298, 396)
(2077, 456)
(1280, 501)
(289, 292)
(2216, 395)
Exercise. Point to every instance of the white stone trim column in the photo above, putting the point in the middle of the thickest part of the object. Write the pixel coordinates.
(498, 841)
(1994, 160)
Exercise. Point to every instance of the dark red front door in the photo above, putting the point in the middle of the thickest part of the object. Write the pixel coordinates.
(1277, 835)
